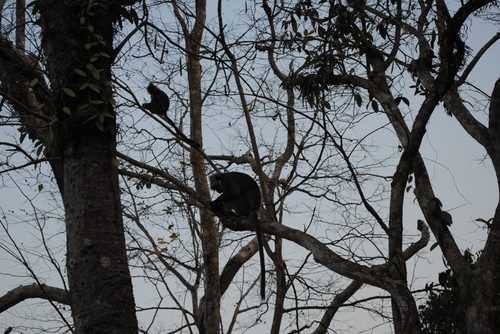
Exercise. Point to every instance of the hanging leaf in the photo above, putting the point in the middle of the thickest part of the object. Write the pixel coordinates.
(382, 30)
(23, 136)
(357, 99)
(446, 217)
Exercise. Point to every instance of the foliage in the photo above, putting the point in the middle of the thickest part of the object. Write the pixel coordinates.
(335, 107)
(444, 310)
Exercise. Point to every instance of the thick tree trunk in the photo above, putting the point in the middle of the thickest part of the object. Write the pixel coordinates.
(408, 321)
(99, 278)
(481, 313)
(481, 287)
(79, 37)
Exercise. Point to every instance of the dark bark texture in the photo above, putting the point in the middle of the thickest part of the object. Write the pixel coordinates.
(78, 36)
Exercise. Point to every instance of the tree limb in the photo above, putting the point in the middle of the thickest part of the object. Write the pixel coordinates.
(23, 292)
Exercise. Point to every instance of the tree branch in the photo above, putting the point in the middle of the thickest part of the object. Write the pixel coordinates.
(23, 292)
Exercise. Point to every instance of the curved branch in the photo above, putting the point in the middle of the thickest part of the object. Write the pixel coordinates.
(334, 306)
(476, 59)
(376, 275)
(234, 264)
(454, 104)
(421, 243)
(23, 292)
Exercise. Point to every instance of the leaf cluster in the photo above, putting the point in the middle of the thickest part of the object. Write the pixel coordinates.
(444, 310)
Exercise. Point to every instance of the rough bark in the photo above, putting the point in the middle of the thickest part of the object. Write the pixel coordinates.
(98, 274)
(481, 287)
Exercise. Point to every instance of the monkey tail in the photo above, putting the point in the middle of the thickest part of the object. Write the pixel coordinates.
(255, 219)
(178, 131)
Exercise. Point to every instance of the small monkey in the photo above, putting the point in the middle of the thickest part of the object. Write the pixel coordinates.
(160, 102)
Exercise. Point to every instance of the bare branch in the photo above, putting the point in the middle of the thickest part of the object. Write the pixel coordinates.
(23, 292)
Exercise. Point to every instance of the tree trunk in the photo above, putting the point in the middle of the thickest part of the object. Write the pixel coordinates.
(207, 316)
(481, 288)
(99, 278)
(481, 313)
(408, 321)
(78, 36)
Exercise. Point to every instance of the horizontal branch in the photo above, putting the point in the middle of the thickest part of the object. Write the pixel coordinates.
(23, 292)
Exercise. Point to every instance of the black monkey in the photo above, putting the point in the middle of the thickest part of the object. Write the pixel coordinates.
(240, 195)
(159, 101)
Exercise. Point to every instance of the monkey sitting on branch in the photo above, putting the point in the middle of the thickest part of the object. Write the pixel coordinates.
(240, 196)
(160, 102)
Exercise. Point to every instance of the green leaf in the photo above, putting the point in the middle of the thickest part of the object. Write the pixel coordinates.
(100, 39)
(33, 82)
(40, 187)
(100, 126)
(80, 73)
(96, 74)
(67, 111)
(69, 92)
(100, 118)
(94, 88)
